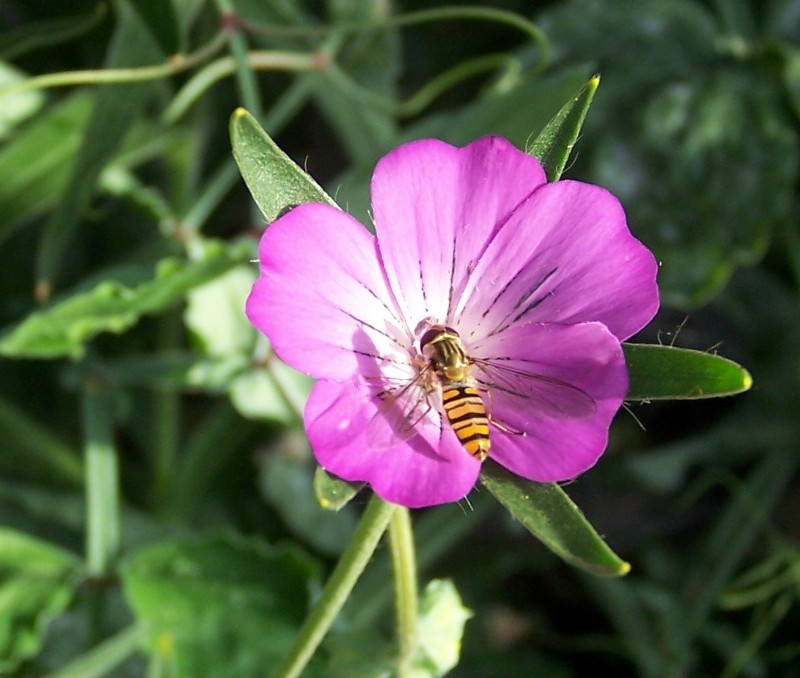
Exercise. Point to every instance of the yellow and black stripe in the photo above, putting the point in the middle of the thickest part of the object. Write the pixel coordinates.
(466, 413)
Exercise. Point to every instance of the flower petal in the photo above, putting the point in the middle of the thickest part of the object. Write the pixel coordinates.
(562, 437)
(566, 255)
(436, 207)
(322, 297)
(423, 471)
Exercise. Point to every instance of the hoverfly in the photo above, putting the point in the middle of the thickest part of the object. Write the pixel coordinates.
(461, 387)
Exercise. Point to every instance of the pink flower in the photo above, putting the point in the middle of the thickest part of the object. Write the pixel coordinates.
(538, 284)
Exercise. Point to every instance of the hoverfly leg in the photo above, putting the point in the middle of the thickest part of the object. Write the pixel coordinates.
(506, 429)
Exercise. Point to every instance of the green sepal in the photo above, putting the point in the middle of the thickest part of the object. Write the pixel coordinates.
(545, 510)
(333, 493)
(659, 372)
(554, 143)
(275, 181)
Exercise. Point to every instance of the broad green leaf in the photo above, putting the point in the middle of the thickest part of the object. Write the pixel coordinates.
(440, 625)
(554, 143)
(668, 373)
(286, 482)
(333, 493)
(37, 583)
(219, 606)
(546, 511)
(214, 313)
(63, 328)
(33, 35)
(275, 181)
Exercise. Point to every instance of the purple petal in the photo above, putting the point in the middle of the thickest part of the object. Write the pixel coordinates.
(566, 255)
(322, 297)
(562, 437)
(436, 207)
(422, 471)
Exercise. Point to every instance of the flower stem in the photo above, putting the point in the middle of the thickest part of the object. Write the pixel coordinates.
(102, 481)
(401, 545)
(352, 563)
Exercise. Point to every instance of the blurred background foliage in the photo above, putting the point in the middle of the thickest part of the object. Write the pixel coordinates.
(127, 238)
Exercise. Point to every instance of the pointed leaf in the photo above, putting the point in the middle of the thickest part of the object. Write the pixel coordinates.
(37, 582)
(550, 515)
(669, 373)
(63, 328)
(275, 181)
(554, 143)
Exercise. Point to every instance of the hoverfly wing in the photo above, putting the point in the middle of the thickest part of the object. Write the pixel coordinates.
(550, 396)
(398, 415)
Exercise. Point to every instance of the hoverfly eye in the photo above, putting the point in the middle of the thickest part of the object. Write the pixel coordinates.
(428, 336)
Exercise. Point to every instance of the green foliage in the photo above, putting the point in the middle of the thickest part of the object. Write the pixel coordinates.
(111, 306)
(37, 582)
(218, 606)
(128, 248)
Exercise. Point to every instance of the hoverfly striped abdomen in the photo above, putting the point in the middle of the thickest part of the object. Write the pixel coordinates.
(466, 413)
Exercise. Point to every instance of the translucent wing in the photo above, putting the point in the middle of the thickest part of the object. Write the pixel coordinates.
(550, 396)
(402, 409)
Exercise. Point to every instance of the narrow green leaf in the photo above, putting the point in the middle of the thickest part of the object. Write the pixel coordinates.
(63, 328)
(115, 109)
(669, 373)
(37, 450)
(37, 582)
(34, 166)
(220, 606)
(33, 35)
(17, 106)
(275, 181)
(554, 143)
(159, 16)
(546, 511)
(333, 493)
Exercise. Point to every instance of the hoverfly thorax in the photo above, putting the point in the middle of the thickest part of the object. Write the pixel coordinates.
(445, 353)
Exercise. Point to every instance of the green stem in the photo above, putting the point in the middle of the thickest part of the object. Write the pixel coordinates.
(352, 563)
(166, 407)
(404, 569)
(102, 659)
(176, 64)
(265, 60)
(245, 77)
(102, 481)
